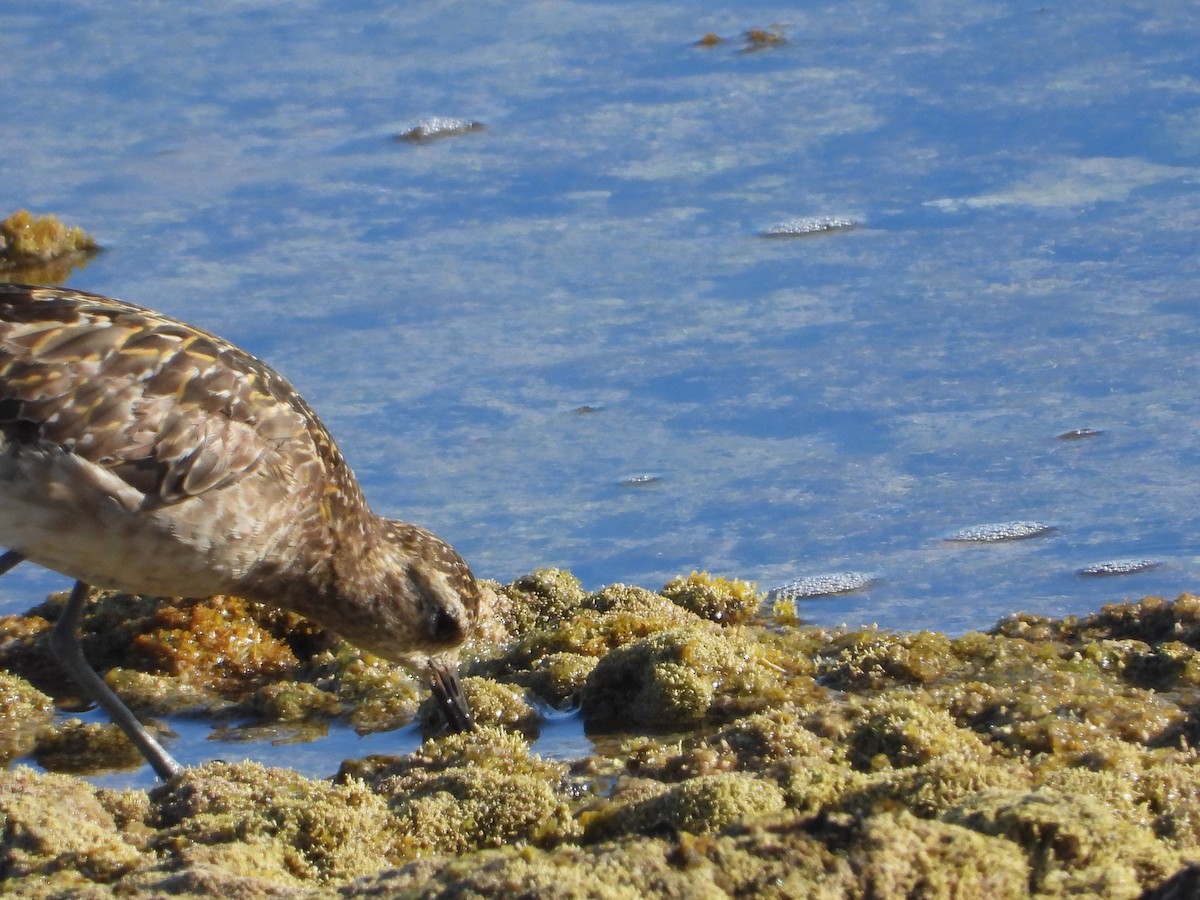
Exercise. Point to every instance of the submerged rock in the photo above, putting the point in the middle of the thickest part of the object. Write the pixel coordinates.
(1000, 531)
(808, 226)
(1120, 567)
(437, 127)
(827, 585)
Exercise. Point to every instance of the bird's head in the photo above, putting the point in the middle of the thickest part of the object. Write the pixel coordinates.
(415, 603)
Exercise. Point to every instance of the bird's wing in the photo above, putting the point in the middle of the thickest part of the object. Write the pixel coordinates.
(170, 409)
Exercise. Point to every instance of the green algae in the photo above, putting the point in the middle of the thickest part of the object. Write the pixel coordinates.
(735, 754)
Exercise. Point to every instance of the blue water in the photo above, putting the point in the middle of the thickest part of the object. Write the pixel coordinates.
(1025, 181)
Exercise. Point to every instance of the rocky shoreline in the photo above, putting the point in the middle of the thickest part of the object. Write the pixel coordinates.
(737, 752)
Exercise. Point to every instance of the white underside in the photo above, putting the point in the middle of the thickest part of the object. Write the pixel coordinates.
(76, 518)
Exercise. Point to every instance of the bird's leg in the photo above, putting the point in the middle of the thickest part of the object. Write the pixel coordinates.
(64, 640)
(9, 559)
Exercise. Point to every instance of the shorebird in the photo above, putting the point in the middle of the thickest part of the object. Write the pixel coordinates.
(143, 454)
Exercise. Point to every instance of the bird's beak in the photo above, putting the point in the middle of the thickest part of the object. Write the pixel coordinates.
(448, 692)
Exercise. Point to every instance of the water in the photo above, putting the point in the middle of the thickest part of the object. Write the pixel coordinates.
(1025, 182)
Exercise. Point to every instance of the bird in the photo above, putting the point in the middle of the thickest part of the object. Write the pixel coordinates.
(143, 454)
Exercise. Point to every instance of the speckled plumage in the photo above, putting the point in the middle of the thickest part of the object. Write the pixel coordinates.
(140, 453)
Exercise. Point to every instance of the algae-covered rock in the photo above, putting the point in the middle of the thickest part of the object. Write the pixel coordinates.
(557, 678)
(874, 659)
(615, 616)
(541, 599)
(41, 248)
(1063, 701)
(765, 759)
(469, 809)
(1171, 793)
(473, 790)
(273, 823)
(57, 837)
(900, 729)
(380, 696)
(678, 678)
(25, 714)
(1074, 845)
(495, 704)
(554, 658)
(290, 701)
(699, 805)
(224, 646)
(900, 855)
(220, 641)
(728, 601)
(82, 748)
(776, 859)
(750, 744)
(204, 881)
(818, 787)
(931, 789)
(151, 693)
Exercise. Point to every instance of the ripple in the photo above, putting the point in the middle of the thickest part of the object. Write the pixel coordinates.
(1119, 567)
(809, 225)
(826, 585)
(1000, 531)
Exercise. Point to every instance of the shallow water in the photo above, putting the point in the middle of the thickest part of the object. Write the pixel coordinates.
(1024, 179)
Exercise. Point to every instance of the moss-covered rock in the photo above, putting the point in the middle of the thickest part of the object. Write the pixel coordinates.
(727, 601)
(478, 789)
(756, 759)
(699, 805)
(57, 837)
(25, 714)
(676, 679)
(41, 249)
(902, 856)
(1074, 845)
(82, 748)
(273, 823)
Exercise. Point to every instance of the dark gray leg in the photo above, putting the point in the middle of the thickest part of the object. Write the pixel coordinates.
(9, 559)
(64, 640)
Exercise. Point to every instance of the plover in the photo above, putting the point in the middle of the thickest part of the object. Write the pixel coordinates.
(141, 453)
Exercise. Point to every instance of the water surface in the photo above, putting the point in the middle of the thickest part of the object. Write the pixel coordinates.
(1024, 177)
